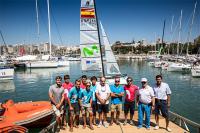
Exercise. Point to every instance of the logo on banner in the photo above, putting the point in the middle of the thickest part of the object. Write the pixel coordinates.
(87, 13)
(87, 3)
(91, 51)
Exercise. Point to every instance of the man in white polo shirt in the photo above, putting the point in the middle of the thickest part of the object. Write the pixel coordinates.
(145, 101)
(103, 95)
(162, 101)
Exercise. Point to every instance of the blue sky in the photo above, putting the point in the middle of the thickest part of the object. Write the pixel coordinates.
(123, 20)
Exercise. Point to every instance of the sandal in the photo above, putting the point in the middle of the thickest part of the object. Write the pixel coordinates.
(84, 126)
(76, 126)
(91, 127)
(62, 128)
(71, 129)
(111, 123)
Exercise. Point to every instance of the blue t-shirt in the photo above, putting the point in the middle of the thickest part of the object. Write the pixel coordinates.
(85, 96)
(74, 94)
(93, 89)
(117, 90)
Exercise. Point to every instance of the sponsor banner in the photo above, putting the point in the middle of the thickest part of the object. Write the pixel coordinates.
(89, 64)
(88, 24)
(89, 37)
(91, 50)
(87, 3)
(87, 13)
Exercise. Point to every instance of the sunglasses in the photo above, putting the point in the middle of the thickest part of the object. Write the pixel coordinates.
(143, 82)
(117, 81)
(129, 80)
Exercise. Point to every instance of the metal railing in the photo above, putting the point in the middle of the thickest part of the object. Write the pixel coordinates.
(50, 129)
(183, 122)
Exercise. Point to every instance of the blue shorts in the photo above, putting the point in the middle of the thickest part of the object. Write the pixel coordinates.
(94, 107)
(103, 108)
(161, 105)
(129, 106)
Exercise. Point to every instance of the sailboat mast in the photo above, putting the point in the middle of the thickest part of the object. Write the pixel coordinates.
(101, 54)
(163, 34)
(38, 27)
(49, 27)
(179, 34)
(189, 33)
(171, 32)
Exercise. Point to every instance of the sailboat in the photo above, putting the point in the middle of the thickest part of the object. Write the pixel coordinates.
(90, 44)
(112, 68)
(46, 61)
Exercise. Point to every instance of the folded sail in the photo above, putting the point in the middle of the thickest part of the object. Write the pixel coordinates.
(89, 39)
(111, 63)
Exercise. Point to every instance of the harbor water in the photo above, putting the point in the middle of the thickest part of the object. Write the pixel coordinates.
(33, 85)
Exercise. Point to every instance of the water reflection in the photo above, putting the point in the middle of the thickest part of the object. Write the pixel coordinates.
(7, 86)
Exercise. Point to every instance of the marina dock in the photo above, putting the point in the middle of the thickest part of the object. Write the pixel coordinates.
(128, 128)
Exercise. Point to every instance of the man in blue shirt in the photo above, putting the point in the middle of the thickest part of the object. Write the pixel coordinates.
(85, 101)
(117, 92)
(94, 99)
(74, 106)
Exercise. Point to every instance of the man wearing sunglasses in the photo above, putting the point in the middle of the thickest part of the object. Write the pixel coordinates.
(129, 103)
(117, 92)
(145, 101)
(103, 95)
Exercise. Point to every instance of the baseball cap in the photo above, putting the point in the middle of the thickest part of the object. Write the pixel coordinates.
(143, 79)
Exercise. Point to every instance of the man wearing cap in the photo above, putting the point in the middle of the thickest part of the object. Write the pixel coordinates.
(103, 95)
(129, 103)
(117, 92)
(145, 101)
(85, 101)
(162, 101)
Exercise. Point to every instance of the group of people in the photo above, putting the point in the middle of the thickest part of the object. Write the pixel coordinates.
(89, 97)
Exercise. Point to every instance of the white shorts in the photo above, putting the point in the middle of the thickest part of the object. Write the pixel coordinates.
(58, 112)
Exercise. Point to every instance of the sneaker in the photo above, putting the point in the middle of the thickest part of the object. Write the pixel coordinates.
(125, 122)
(139, 127)
(132, 123)
(168, 129)
(148, 128)
(156, 127)
(105, 124)
(117, 123)
(99, 125)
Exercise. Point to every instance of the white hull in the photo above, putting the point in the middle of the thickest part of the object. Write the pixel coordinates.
(42, 64)
(151, 63)
(74, 59)
(6, 73)
(63, 63)
(176, 67)
(157, 64)
(195, 72)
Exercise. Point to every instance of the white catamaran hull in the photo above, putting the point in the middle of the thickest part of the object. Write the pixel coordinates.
(6, 73)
